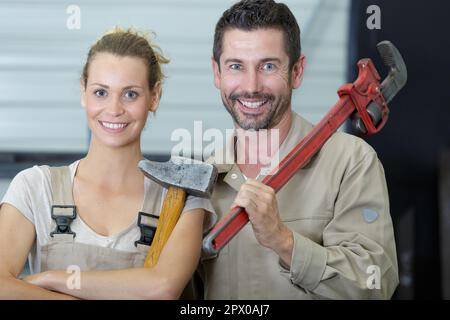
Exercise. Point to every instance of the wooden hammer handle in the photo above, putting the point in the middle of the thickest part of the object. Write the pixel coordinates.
(170, 212)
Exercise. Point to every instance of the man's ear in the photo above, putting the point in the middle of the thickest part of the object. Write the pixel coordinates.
(297, 72)
(155, 97)
(216, 71)
(83, 93)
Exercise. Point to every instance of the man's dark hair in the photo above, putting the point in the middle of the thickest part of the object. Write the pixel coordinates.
(250, 15)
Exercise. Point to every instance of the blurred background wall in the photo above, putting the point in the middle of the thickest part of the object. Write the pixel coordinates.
(42, 121)
(41, 60)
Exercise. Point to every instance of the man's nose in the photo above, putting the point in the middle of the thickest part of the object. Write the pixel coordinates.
(252, 83)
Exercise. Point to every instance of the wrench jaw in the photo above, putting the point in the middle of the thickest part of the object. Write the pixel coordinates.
(372, 119)
(398, 74)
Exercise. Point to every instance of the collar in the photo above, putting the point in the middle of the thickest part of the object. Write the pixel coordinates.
(225, 162)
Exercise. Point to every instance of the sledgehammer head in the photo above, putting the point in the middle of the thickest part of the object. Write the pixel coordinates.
(195, 177)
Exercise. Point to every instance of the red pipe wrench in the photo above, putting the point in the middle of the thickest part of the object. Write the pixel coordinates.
(364, 101)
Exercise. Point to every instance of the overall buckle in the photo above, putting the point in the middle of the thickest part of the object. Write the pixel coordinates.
(147, 231)
(63, 217)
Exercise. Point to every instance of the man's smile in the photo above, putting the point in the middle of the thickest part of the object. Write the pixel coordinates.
(252, 106)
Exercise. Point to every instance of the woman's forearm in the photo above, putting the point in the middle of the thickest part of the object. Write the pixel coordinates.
(138, 283)
(12, 288)
(166, 280)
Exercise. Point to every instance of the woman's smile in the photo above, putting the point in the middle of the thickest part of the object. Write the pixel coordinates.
(113, 127)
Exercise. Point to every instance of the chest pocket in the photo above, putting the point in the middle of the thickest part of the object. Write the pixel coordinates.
(304, 211)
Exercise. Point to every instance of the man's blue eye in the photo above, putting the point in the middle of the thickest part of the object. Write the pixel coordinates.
(269, 67)
(100, 93)
(131, 94)
(235, 66)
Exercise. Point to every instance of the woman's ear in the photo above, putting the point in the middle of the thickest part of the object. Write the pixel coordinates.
(83, 93)
(155, 97)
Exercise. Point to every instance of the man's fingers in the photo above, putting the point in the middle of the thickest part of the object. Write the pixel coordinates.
(264, 194)
(250, 193)
(248, 204)
(253, 196)
(259, 185)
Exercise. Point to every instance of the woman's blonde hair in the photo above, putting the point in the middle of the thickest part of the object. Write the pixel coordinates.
(130, 43)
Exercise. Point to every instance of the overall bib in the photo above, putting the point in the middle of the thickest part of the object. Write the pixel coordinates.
(63, 251)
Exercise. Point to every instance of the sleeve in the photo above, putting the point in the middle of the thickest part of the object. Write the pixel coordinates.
(193, 202)
(358, 257)
(19, 195)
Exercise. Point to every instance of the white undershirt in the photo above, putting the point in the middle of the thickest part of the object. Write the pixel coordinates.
(30, 193)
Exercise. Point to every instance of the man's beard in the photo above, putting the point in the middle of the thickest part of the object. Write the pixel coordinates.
(278, 106)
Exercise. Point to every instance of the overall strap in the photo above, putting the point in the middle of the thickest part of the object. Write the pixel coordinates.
(147, 222)
(63, 210)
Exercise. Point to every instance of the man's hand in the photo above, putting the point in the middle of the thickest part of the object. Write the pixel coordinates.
(260, 202)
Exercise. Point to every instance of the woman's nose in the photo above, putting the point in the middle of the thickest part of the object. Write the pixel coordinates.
(115, 107)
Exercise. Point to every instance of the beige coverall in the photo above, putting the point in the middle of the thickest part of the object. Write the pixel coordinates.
(338, 209)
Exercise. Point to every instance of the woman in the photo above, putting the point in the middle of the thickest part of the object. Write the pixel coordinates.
(79, 224)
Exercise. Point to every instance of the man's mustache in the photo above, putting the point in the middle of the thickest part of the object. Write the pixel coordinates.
(255, 96)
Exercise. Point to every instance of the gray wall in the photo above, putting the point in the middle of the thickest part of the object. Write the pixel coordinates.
(41, 59)
(4, 183)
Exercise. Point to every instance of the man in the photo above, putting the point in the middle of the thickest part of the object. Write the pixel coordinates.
(328, 232)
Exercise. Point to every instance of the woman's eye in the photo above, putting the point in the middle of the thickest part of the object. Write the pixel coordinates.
(269, 67)
(131, 95)
(235, 66)
(100, 93)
